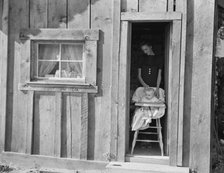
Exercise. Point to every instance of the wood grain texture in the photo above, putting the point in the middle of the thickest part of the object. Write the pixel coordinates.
(173, 97)
(103, 19)
(181, 6)
(38, 13)
(57, 14)
(29, 124)
(129, 5)
(115, 77)
(202, 53)
(74, 104)
(79, 14)
(84, 126)
(3, 72)
(1, 12)
(91, 62)
(75, 125)
(19, 18)
(25, 61)
(60, 34)
(151, 17)
(170, 5)
(44, 124)
(30, 161)
(57, 131)
(123, 87)
(152, 5)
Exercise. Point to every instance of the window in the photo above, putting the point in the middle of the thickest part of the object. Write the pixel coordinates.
(59, 57)
(57, 61)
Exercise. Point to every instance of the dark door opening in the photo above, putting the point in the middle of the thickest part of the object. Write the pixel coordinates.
(154, 33)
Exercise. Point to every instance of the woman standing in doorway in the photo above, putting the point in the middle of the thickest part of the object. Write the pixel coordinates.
(150, 68)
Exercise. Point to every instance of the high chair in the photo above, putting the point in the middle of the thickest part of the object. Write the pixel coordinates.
(137, 126)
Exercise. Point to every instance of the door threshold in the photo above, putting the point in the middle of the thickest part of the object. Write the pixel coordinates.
(162, 160)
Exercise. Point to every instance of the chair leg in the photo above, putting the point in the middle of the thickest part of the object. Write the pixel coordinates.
(160, 136)
(134, 141)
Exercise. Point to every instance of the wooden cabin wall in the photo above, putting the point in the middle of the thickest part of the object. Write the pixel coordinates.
(4, 6)
(40, 108)
(147, 5)
(198, 79)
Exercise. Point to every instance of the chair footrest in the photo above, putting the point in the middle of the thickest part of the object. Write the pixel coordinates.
(142, 140)
(148, 133)
(155, 127)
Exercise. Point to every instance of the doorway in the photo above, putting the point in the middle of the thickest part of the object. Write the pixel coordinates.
(153, 33)
(174, 76)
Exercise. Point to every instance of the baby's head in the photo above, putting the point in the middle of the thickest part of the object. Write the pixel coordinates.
(149, 93)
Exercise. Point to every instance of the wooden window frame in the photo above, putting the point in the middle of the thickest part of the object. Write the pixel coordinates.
(175, 77)
(88, 37)
(34, 70)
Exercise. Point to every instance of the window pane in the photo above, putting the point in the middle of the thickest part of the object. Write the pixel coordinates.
(72, 51)
(48, 52)
(71, 70)
(48, 69)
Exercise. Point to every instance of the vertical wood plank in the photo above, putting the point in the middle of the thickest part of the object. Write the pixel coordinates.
(79, 14)
(3, 75)
(201, 86)
(102, 19)
(84, 126)
(75, 106)
(57, 14)
(129, 5)
(181, 6)
(25, 62)
(29, 129)
(152, 5)
(72, 126)
(91, 60)
(174, 90)
(38, 13)
(66, 150)
(115, 76)
(167, 51)
(171, 5)
(45, 110)
(58, 114)
(1, 13)
(123, 90)
(19, 18)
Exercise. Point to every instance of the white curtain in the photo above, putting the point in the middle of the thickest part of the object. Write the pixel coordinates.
(73, 52)
(47, 53)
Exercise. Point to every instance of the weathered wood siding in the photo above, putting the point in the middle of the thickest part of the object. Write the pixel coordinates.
(201, 52)
(55, 123)
(51, 123)
(147, 5)
(4, 7)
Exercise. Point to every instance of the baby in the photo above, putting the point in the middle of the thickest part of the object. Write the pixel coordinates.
(149, 95)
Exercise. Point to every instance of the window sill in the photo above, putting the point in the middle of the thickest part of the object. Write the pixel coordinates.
(58, 87)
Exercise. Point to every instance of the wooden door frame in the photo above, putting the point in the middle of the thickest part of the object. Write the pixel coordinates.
(175, 88)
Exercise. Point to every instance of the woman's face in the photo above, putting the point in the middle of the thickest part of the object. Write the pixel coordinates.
(146, 49)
